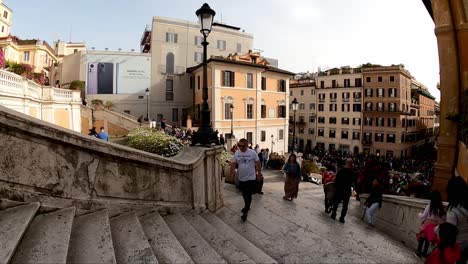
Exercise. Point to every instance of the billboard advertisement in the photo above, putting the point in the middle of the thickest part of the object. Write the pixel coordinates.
(117, 74)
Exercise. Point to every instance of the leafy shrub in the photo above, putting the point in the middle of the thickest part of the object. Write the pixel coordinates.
(96, 103)
(309, 166)
(225, 159)
(276, 161)
(154, 141)
(77, 85)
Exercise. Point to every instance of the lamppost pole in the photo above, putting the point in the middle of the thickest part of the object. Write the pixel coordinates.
(272, 143)
(294, 105)
(205, 134)
(231, 109)
(147, 104)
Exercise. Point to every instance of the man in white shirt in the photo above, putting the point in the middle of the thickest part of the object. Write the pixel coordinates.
(249, 171)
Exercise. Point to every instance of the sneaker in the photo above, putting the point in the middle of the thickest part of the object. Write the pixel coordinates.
(342, 220)
(244, 211)
(244, 217)
(333, 216)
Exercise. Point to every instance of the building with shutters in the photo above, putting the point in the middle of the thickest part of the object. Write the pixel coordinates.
(175, 45)
(258, 92)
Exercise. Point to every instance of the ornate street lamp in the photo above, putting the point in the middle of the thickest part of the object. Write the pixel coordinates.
(231, 109)
(294, 103)
(205, 134)
(147, 104)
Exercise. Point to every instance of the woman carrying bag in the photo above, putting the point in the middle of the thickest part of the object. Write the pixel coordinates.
(292, 169)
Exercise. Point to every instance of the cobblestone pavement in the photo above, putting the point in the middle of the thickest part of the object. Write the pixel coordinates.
(301, 232)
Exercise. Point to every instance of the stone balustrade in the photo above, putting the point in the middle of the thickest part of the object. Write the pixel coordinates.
(54, 105)
(60, 168)
(399, 217)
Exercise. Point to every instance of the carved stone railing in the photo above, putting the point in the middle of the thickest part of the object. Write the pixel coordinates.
(60, 168)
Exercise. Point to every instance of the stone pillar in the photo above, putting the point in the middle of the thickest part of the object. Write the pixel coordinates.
(449, 87)
(230, 143)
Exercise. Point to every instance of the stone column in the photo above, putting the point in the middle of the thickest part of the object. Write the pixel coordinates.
(449, 87)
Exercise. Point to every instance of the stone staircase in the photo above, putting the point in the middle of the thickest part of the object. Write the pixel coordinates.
(30, 233)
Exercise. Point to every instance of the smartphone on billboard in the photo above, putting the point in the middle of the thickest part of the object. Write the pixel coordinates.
(105, 78)
(92, 78)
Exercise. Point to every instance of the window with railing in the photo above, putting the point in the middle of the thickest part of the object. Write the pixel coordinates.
(321, 107)
(321, 120)
(332, 120)
(344, 134)
(379, 137)
(390, 138)
(356, 121)
(380, 92)
(311, 131)
(391, 107)
(368, 92)
(358, 82)
(333, 97)
(345, 121)
(392, 92)
(321, 132)
(379, 121)
(332, 133)
(380, 107)
(368, 106)
(368, 121)
(345, 107)
(333, 107)
(356, 135)
(311, 119)
(321, 97)
(368, 138)
(392, 122)
(357, 107)
(171, 37)
(311, 106)
(301, 106)
(345, 97)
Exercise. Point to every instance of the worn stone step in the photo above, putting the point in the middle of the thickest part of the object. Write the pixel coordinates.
(13, 224)
(218, 241)
(249, 249)
(47, 238)
(165, 245)
(130, 242)
(91, 239)
(198, 249)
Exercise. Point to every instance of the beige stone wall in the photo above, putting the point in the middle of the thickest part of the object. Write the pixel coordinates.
(399, 217)
(62, 118)
(61, 168)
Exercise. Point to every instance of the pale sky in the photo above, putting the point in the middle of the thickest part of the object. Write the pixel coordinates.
(301, 34)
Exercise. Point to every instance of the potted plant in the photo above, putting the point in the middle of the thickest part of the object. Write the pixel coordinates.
(97, 104)
(307, 168)
(109, 105)
(276, 161)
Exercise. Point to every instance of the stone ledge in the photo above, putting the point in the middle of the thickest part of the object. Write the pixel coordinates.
(17, 121)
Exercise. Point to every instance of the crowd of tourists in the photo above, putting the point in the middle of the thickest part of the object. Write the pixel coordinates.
(445, 230)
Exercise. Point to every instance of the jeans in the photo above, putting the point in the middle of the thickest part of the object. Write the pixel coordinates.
(265, 164)
(464, 252)
(248, 188)
(371, 212)
(338, 200)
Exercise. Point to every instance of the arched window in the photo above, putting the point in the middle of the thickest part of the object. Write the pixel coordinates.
(170, 62)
